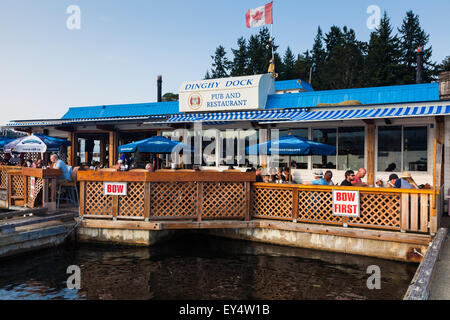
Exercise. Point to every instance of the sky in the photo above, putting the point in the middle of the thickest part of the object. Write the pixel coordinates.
(121, 47)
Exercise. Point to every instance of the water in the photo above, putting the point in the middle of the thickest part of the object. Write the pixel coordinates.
(200, 267)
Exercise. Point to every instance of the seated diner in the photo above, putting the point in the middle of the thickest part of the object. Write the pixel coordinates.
(59, 164)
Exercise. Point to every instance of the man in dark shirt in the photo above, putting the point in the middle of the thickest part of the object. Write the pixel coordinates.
(259, 178)
(349, 177)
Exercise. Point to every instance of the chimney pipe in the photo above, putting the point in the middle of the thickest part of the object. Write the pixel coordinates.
(159, 93)
(419, 64)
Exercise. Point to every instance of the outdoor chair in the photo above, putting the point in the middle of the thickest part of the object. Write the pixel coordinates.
(69, 189)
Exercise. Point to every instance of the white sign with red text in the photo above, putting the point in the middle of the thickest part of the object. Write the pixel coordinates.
(32, 186)
(346, 203)
(115, 188)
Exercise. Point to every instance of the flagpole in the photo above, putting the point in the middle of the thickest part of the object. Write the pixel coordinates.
(271, 36)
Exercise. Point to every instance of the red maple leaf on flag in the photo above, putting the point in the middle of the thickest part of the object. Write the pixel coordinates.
(257, 16)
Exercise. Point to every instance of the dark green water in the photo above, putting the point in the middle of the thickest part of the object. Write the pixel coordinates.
(199, 267)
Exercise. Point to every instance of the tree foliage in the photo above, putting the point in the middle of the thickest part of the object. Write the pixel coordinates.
(337, 59)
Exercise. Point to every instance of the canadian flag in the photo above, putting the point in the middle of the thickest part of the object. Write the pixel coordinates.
(259, 16)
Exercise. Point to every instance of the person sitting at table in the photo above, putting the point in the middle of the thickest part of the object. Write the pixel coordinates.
(37, 164)
(318, 179)
(59, 164)
(13, 160)
(349, 177)
(286, 174)
(259, 177)
(125, 159)
(149, 167)
(396, 182)
(328, 176)
(357, 182)
(407, 177)
(279, 178)
(391, 167)
(379, 183)
(121, 165)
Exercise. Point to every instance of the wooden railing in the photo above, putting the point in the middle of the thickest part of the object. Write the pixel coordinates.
(18, 189)
(167, 195)
(381, 208)
(10, 183)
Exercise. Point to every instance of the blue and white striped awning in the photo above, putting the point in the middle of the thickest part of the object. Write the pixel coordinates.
(223, 117)
(355, 113)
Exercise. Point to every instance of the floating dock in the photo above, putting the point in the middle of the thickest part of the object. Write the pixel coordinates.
(23, 231)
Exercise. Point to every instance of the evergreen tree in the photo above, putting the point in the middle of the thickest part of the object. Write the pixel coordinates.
(221, 64)
(318, 61)
(344, 59)
(445, 65)
(303, 66)
(170, 96)
(260, 52)
(279, 66)
(239, 66)
(255, 55)
(382, 64)
(207, 75)
(287, 71)
(266, 44)
(412, 36)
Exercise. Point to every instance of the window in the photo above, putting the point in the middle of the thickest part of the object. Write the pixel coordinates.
(297, 162)
(351, 148)
(233, 146)
(327, 136)
(415, 151)
(402, 148)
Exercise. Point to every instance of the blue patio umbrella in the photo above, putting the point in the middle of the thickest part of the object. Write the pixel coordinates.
(4, 141)
(36, 143)
(292, 145)
(155, 144)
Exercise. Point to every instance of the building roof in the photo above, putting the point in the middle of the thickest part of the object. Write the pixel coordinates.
(158, 110)
(373, 95)
(122, 110)
(296, 84)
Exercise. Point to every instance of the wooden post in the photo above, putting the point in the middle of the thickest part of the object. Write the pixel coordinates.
(424, 198)
(199, 200)
(404, 212)
(115, 206)
(9, 184)
(45, 193)
(147, 201)
(72, 150)
(370, 152)
(294, 205)
(82, 197)
(414, 212)
(25, 191)
(113, 147)
(248, 191)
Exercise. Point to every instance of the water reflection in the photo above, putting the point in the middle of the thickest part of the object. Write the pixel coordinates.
(200, 267)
